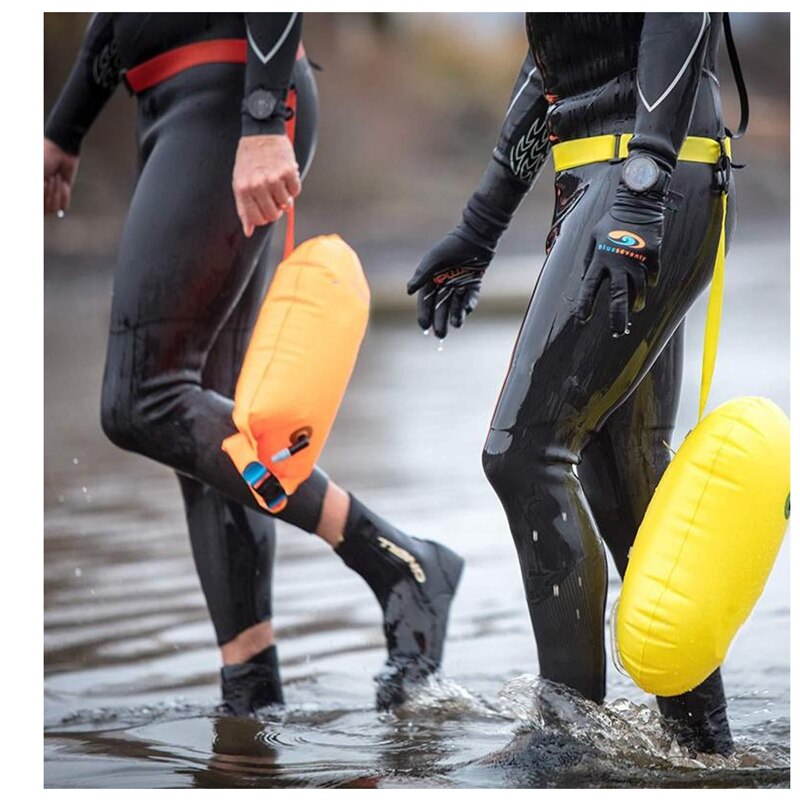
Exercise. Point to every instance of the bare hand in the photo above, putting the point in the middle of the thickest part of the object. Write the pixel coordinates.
(266, 179)
(60, 169)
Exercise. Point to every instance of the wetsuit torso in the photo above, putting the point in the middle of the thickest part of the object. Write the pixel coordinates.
(588, 67)
(116, 43)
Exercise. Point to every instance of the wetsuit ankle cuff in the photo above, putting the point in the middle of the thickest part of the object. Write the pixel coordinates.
(268, 656)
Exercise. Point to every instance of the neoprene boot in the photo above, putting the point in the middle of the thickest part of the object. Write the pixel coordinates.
(699, 718)
(414, 581)
(252, 685)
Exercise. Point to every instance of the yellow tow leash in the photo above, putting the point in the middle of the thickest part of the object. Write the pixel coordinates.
(713, 315)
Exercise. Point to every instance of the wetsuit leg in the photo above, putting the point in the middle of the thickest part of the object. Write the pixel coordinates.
(619, 471)
(233, 546)
(622, 465)
(564, 382)
(183, 267)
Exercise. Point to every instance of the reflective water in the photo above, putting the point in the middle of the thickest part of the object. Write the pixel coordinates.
(130, 663)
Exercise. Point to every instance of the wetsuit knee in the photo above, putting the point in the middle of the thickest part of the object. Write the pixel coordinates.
(499, 466)
(514, 462)
(115, 418)
(153, 422)
(501, 462)
(122, 421)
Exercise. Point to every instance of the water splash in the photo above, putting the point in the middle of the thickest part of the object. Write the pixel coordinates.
(129, 716)
(443, 697)
(619, 732)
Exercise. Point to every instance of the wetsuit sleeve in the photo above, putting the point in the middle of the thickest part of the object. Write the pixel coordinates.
(272, 42)
(524, 144)
(672, 51)
(93, 79)
(521, 150)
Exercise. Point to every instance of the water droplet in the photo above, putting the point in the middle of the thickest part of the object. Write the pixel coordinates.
(78, 572)
(580, 581)
(536, 536)
(74, 460)
(440, 347)
(60, 213)
(578, 613)
(555, 590)
(564, 515)
(84, 489)
(426, 331)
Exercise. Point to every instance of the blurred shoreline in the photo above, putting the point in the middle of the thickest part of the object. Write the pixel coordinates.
(410, 109)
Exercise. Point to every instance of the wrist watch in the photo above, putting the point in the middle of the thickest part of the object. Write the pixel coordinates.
(260, 104)
(641, 174)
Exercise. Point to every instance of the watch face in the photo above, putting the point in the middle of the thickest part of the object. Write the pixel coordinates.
(260, 104)
(640, 173)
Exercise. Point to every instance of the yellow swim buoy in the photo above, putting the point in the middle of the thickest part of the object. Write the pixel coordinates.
(705, 547)
(299, 361)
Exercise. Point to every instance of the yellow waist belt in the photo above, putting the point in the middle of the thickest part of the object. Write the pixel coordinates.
(700, 149)
(577, 152)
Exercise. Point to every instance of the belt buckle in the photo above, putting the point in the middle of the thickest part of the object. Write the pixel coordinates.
(616, 158)
(722, 169)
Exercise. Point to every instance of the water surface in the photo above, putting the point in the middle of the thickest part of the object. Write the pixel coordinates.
(131, 669)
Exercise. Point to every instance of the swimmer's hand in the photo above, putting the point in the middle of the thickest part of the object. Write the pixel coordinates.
(60, 169)
(266, 179)
(449, 278)
(448, 281)
(626, 250)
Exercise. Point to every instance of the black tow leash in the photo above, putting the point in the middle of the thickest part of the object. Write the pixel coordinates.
(744, 104)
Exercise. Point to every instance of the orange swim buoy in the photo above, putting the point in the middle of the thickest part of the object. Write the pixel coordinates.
(299, 361)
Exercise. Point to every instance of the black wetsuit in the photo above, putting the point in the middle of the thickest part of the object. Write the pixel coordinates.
(187, 288)
(188, 284)
(580, 435)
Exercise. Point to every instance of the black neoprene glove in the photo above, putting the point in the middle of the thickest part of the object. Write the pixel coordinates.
(626, 250)
(449, 277)
(449, 281)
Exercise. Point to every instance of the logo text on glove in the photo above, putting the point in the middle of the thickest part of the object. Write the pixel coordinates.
(625, 242)
(627, 239)
(442, 277)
